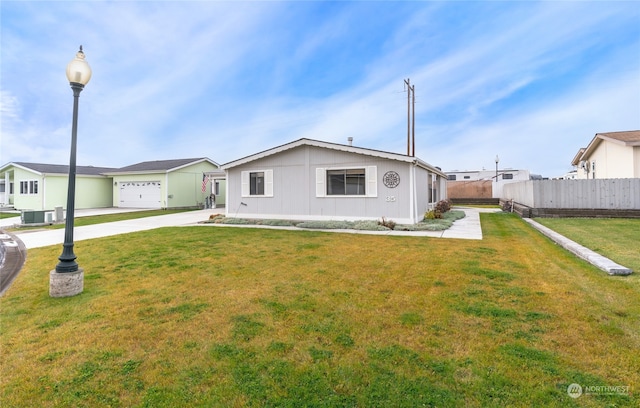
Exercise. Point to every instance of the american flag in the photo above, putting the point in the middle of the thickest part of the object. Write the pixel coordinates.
(205, 180)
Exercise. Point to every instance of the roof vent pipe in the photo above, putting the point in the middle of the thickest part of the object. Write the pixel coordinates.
(350, 140)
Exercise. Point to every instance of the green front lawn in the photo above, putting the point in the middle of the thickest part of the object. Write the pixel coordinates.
(210, 316)
(616, 238)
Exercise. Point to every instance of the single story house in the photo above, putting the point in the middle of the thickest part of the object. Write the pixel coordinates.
(314, 180)
(609, 155)
(37, 186)
(180, 183)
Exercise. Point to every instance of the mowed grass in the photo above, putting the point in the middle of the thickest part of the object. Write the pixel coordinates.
(615, 238)
(222, 316)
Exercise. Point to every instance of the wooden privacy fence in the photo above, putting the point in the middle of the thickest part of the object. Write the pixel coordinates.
(469, 189)
(608, 196)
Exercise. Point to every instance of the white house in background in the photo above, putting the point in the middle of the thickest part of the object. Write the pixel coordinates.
(314, 180)
(609, 155)
(498, 177)
(571, 175)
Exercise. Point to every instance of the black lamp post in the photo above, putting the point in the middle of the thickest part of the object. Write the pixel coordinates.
(67, 279)
(497, 160)
(78, 74)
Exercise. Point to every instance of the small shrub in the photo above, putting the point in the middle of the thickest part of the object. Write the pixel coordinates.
(443, 206)
(433, 215)
(387, 223)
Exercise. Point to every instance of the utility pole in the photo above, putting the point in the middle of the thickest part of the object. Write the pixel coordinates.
(413, 121)
(411, 118)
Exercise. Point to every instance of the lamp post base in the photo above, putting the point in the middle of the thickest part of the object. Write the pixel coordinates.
(66, 284)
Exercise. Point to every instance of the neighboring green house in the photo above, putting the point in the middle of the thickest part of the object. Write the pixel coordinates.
(36, 186)
(182, 183)
(166, 184)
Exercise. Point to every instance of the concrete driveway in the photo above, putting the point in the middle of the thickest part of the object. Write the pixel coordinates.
(34, 238)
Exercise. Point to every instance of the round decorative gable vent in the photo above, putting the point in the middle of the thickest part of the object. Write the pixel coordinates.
(391, 179)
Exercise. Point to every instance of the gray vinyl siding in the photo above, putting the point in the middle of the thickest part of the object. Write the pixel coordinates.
(422, 193)
(294, 187)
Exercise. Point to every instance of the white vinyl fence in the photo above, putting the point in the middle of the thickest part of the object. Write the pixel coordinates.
(611, 194)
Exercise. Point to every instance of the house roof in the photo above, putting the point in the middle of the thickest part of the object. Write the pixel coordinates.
(42, 168)
(625, 138)
(333, 146)
(629, 138)
(159, 166)
(577, 157)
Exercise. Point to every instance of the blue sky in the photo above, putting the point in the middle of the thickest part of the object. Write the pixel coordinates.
(529, 81)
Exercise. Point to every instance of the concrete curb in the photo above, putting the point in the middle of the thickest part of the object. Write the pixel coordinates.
(14, 255)
(588, 255)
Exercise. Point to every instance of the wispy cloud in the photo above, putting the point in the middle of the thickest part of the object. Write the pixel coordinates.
(227, 79)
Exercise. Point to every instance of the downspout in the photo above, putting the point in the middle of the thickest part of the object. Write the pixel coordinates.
(226, 193)
(43, 201)
(7, 187)
(166, 190)
(412, 191)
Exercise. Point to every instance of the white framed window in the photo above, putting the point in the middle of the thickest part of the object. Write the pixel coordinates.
(258, 183)
(507, 176)
(29, 187)
(347, 182)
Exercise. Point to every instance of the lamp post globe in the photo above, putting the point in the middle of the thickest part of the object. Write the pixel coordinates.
(78, 70)
(67, 278)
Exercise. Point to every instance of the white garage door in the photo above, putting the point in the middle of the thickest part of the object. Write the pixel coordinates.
(140, 194)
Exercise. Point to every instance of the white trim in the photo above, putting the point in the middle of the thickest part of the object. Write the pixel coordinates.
(321, 182)
(413, 204)
(117, 172)
(371, 175)
(29, 186)
(370, 182)
(204, 159)
(268, 183)
(245, 180)
(300, 217)
(244, 184)
(166, 190)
